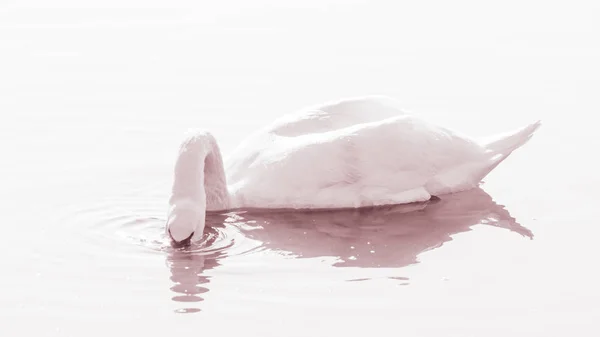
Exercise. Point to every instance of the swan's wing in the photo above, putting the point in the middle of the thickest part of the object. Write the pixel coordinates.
(335, 115)
(405, 152)
(382, 162)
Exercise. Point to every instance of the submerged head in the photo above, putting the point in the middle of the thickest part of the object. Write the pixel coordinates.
(184, 226)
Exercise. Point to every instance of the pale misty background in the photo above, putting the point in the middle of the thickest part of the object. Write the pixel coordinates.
(95, 96)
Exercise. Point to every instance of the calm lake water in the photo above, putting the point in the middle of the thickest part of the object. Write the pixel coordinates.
(94, 100)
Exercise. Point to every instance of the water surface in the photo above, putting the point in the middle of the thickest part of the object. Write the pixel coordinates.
(94, 99)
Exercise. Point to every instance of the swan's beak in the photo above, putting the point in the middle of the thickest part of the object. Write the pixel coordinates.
(180, 243)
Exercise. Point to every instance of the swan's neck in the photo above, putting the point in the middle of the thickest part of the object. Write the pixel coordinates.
(199, 174)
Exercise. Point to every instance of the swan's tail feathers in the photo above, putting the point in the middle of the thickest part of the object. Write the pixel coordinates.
(499, 147)
(471, 173)
(505, 144)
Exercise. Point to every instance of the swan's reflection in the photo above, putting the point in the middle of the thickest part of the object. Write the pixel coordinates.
(391, 236)
(187, 269)
(379, 237)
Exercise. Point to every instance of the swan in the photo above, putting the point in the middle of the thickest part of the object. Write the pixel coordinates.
(350, 153)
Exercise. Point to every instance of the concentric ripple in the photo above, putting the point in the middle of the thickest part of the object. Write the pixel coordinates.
(130, 227)
(140, 222)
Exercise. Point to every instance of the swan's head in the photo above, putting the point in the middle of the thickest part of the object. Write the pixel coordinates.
(184, 226)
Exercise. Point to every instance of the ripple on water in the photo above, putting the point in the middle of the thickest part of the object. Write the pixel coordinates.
(386, 237)
(129, 227)
(141, 222)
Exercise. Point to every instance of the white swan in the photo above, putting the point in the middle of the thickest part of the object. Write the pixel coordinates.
(349, 153)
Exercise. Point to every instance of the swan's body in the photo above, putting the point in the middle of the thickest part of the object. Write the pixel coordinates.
(346, 154)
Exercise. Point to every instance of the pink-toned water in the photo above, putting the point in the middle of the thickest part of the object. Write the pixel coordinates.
(94, 99)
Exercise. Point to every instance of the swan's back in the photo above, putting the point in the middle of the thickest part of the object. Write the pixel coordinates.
(311, 121)
(335, 115)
